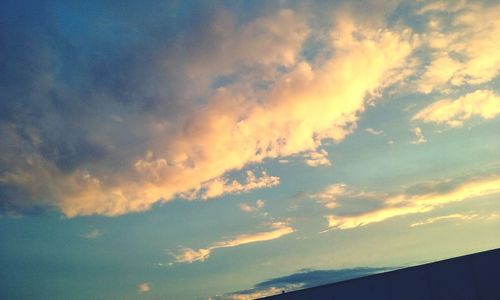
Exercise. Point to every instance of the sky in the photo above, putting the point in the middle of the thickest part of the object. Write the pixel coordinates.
(233, 149)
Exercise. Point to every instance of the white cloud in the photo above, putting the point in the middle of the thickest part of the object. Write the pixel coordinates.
(188, 255)
(374, 131)
(93, 234)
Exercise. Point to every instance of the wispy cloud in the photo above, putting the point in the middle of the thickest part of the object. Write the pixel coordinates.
(93, 234)
(300, 280)
(419, 136)
(419, 199)
(459, 217)
(221, 186)
(480, 103)
(188, 255)
(374, 131)
(463, 217)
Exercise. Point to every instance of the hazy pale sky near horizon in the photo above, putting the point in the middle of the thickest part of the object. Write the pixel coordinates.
(213, 149)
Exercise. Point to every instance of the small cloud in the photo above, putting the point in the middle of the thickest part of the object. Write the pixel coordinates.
(143, 288)
(93, 234)
(188, 255)
(249, 208)
(260, 203)
(374, 132)
(419, 136)
(317, 158)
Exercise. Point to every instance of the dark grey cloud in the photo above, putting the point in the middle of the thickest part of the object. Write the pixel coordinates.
(305, 278)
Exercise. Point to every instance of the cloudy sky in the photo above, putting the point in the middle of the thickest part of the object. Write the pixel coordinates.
(230, 149)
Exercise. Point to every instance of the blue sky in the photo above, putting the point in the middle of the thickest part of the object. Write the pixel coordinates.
(231, 149)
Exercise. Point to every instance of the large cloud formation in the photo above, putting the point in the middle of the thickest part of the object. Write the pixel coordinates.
(92, 127)
(111, 112)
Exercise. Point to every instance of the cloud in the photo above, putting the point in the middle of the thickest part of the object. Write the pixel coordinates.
(188, 255)
(419, 199)
(344, 200)
(446, 217)
(461, 36)
(300, 280)
(157, 116)
(93, 234)
(143, 288)
(463, 217)
(480, 103)
(374, 131)
(220, 186)
(317, 158)
(419, 136)
(249, 208)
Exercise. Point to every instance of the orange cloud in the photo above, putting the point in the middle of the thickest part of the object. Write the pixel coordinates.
(188, 255)
(481, 103)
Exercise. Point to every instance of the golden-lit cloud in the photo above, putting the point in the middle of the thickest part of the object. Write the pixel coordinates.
(432, 197)
(220, 186)
(188, 255)
(317, 158)
(462, 37)
(481, 103)
(328, 197)
(302, 104)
